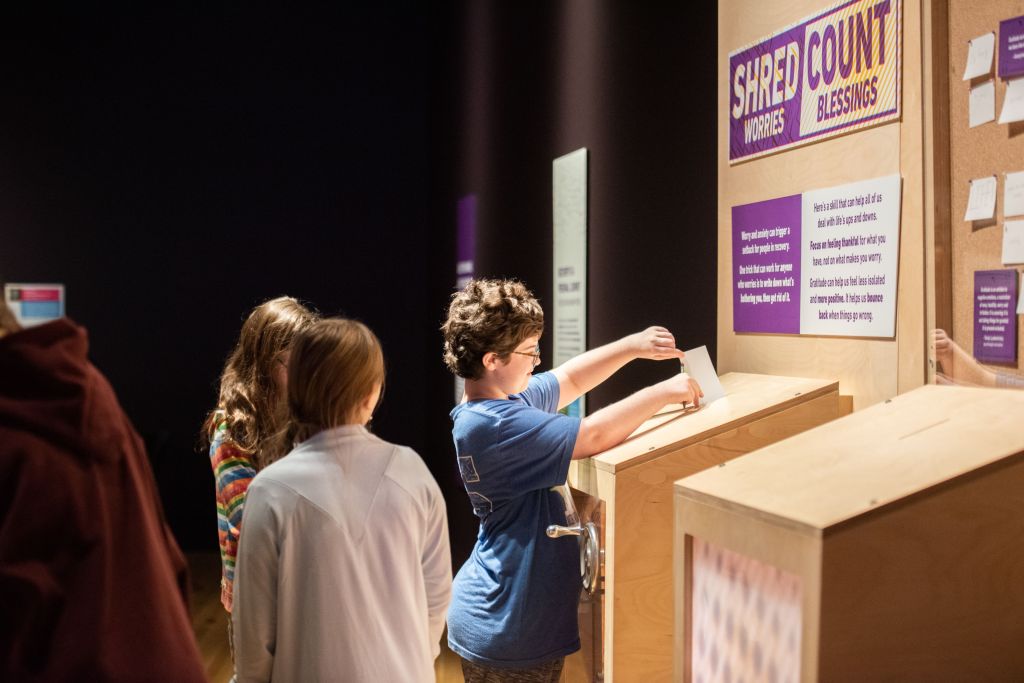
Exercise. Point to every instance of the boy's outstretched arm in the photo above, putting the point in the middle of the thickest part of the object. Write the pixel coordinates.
(612, 424)
(584, 372)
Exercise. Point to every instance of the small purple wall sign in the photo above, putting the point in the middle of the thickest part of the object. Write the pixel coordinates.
(833, 72)
(465, 240)
(465, 256)
(995, 317)
(1011, 47)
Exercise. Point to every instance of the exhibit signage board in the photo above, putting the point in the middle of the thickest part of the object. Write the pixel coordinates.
(569, 327)
(995, 321)
(34, 304)
(822, 262)
(465, 253)
(1011, 47)
(831, 73)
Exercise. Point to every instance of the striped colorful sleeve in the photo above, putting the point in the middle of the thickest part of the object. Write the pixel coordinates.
(234, 470)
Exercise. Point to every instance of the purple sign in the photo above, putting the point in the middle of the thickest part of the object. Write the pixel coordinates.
(995, 317)
(1011, 47)
(465, 240)
(766, 266)
(828, 74)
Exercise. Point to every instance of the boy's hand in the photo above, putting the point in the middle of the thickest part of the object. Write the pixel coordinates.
(683, 389)
(654, 343)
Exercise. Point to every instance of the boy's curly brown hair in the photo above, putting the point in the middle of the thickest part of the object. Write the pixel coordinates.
(488, 315)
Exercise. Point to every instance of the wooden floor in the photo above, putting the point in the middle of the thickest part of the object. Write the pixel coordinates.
(209, 621)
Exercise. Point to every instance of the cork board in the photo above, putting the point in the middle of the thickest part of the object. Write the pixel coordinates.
(989, 149)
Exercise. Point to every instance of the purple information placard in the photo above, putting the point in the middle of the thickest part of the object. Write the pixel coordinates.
(833, 72)
(995, 317)
(1011, 47)
(465, 240)
(766, 266)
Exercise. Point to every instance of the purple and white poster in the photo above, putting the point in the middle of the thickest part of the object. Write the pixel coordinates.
(831, 73)
(995, 320)
(1011, 48)
(822, 262)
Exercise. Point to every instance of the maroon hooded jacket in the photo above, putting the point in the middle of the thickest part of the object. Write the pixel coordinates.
(92, 584)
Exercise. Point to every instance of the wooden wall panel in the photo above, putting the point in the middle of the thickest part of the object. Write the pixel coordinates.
(870, 370)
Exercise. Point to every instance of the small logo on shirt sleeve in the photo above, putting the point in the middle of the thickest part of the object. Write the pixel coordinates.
(468, 469)
(481, 504)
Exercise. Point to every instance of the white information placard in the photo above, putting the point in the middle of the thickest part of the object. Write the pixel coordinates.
(569, 316)
(850, 259)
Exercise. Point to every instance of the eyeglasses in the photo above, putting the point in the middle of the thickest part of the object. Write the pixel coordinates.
(535, 355)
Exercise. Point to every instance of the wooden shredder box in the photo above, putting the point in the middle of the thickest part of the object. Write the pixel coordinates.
(884, 546)
(633, 483)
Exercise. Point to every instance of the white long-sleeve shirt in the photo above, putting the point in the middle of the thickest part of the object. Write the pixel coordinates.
(343, 571)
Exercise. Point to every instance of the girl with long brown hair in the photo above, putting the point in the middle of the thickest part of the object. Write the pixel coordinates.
(344, 571)
(243, 431)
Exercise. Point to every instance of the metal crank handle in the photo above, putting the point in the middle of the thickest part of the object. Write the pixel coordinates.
(556, 531)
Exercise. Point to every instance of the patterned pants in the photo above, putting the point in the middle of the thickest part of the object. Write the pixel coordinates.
(548, 672)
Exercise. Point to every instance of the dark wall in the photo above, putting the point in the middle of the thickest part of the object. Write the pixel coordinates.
(173, 169)
(633, 82)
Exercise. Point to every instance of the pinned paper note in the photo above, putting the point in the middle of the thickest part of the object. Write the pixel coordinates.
(697, 364)
(1020, 296)
(1013, 242)
(981, 204)
(979, 56)
(1013, 103)
(1013, 194)
(983, 103)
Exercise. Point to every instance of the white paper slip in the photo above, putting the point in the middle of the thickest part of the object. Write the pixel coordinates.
(1020, 296)
(979, 56)
(1013, 242)
(1013, 194)
(983, 103)
(981, 204)
(697, 364)
(1013, 103)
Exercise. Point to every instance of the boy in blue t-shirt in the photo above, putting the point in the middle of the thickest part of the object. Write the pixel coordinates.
(514, 602)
